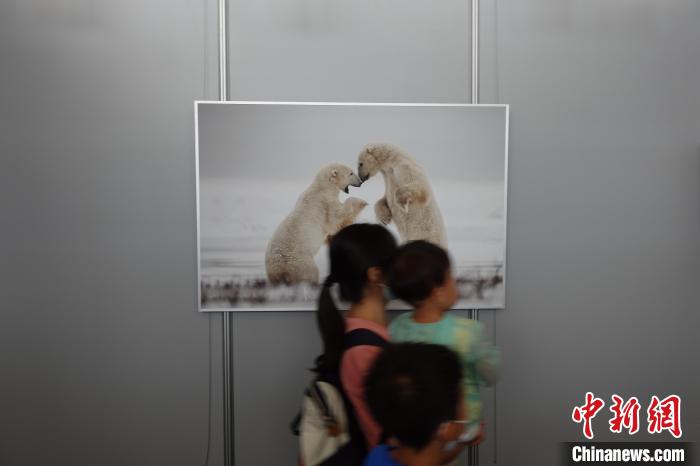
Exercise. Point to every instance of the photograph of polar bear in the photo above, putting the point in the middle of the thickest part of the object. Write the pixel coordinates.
(275, 181)
(408, 200)
(317, 215)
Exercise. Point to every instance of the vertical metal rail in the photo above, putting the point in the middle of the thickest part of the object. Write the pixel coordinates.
(226, 331)
(223, 53)
(475, 51)
(473, 452)
(227, 394)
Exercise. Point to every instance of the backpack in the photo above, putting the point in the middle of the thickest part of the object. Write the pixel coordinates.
(326, 425)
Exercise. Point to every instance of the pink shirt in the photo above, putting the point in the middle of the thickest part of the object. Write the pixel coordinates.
(354, 366)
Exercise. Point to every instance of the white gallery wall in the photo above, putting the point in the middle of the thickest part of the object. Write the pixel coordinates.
(103, 357)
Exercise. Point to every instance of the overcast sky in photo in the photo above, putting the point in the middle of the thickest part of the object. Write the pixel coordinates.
(291, 142)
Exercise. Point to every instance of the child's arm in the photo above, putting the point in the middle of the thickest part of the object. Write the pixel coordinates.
(488, 359)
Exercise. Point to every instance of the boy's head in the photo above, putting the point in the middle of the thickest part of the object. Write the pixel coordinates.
(413, 391)
(420, 271)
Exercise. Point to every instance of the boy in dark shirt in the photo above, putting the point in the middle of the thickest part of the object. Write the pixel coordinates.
(414, 392)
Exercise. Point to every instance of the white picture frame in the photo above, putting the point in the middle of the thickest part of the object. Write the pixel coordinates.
(228, 134)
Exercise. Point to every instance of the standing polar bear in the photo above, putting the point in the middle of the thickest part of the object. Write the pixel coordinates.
(408, 200)
(317, 215)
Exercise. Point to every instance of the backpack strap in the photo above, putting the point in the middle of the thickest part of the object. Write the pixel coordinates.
(363, 336)
(357, 337)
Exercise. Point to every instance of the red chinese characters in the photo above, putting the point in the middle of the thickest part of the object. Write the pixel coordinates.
(665, 415)
(587, 412)
(624, 415)
(662, 415)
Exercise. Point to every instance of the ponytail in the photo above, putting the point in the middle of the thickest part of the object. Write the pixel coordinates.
(331, 325)
(352, 251)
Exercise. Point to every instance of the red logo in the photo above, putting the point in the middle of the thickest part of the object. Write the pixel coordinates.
(587, 412)
(665, 415)
(661, 415)
(625, 415)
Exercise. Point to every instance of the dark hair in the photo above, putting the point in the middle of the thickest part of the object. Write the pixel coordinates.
(352, 251)
(416, 269)
(412, 388)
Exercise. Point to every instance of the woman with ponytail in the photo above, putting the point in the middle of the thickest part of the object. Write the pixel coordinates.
(359, 254)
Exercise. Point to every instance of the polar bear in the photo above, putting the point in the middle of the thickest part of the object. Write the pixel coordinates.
(408, 199)
(317, 215)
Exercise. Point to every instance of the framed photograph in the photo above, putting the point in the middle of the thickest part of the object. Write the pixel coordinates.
(276, 180)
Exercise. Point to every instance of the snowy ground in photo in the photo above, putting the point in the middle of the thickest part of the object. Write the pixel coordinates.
(238, 217)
